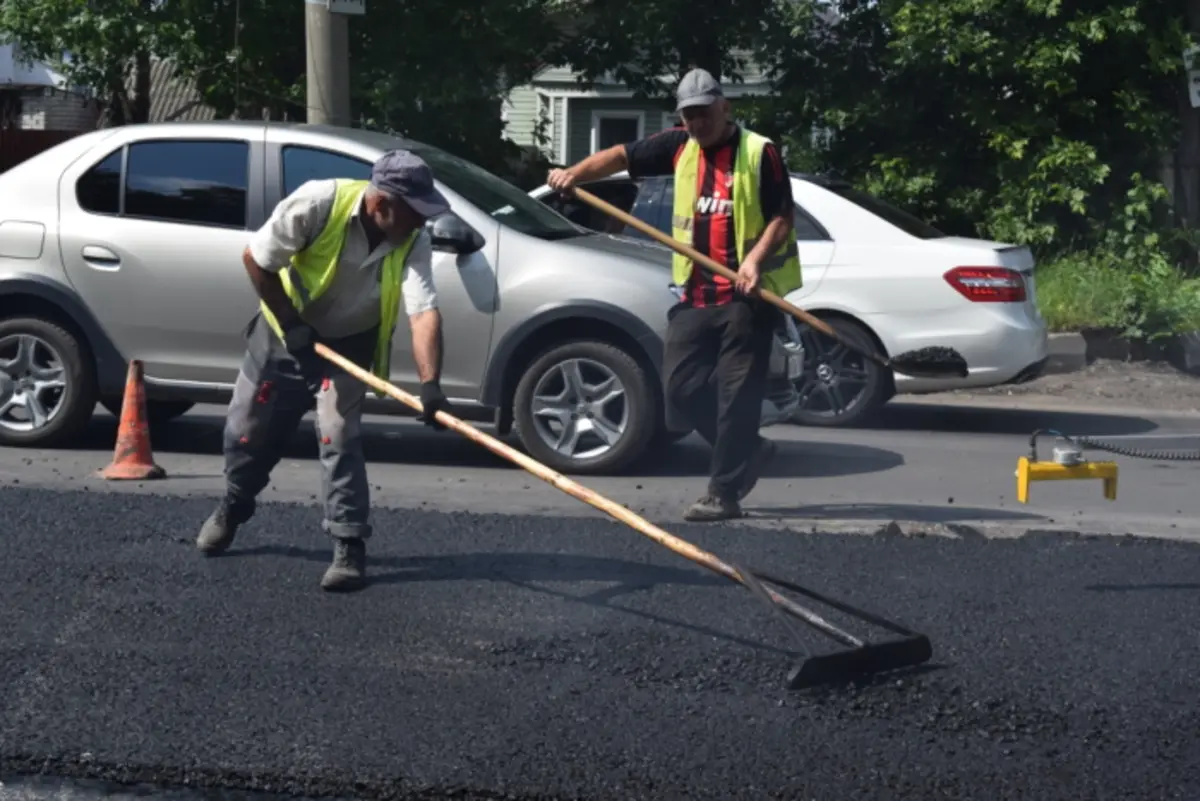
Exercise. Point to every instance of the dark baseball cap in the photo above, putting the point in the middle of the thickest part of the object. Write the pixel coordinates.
(405, 175)
(698, 88)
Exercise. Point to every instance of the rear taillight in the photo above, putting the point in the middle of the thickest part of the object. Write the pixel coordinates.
(987, 284)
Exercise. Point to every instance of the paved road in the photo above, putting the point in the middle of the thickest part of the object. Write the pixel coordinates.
(540, 657)
(932, 463)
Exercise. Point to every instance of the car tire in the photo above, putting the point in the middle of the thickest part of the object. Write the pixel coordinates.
(158, 412)
(73, 408)
(637, 411)
(820, 350)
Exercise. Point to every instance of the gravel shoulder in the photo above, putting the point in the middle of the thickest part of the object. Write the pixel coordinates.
(1140, 385)
(524, 657)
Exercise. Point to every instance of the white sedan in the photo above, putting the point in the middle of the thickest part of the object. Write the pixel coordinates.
(879, 276)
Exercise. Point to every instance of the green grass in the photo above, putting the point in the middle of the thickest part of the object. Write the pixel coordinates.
(1094, 290)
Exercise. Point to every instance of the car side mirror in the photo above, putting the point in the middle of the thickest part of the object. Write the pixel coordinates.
(450, 234)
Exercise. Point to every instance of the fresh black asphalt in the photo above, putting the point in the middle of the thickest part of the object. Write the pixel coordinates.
(549, 658)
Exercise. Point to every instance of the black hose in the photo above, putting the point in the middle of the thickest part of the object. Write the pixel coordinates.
(1137, 453)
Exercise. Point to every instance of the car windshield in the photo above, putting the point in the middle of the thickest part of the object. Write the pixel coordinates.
(906, 222)
(498, 198)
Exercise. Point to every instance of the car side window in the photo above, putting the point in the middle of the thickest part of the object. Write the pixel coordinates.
(621, 194)
(807, 228)
(303, 164)
(99, 189)
(651, 208)
(194, 182)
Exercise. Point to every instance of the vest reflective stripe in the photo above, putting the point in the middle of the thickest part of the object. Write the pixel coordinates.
(312, 271)
(781, 270)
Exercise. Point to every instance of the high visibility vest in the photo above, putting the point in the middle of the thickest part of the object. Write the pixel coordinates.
(781, 270)
(316, 266)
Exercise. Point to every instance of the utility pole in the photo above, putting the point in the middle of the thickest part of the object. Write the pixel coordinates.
(327, 39)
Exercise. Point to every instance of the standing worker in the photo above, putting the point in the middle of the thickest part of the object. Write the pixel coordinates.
(733, 202)
(331, 266)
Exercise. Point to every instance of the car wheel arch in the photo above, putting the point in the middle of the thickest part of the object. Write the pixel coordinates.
(555, 323)
(828, 313)
(33, 295)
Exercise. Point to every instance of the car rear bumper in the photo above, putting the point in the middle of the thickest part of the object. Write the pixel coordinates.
(1000, 345)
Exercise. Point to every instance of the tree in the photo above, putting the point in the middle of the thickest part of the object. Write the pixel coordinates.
(1025, 120)
(438, 73)
(637, 43)
(104, 47)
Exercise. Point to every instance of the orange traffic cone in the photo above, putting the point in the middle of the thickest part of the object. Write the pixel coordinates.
(132, 460)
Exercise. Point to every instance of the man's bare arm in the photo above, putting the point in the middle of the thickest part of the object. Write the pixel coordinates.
(775, 235)
(270, 290)
(426, 329)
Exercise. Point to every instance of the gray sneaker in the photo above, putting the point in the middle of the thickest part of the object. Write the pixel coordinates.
(219, 529)
(349, 568)
(710, 508)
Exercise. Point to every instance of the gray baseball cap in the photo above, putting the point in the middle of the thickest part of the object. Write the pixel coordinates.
(405, 175)
(698, 88)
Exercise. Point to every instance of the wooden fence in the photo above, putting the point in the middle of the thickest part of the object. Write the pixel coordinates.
(17, 145)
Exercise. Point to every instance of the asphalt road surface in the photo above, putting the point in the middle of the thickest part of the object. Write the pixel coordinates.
(518, 644)
(936, 464)
(541, 657)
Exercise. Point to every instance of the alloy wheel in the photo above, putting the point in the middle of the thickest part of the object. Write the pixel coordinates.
(835, 379)
(580, 408)
(33, 383)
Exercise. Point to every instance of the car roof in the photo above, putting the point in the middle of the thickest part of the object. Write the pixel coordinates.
(375, 139)
(830, 180)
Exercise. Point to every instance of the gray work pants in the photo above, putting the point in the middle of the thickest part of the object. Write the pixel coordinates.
(269, 400)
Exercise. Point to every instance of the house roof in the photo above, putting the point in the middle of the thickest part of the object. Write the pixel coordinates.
(173, 97)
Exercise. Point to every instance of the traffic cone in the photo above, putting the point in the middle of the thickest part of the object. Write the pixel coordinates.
(132, 460)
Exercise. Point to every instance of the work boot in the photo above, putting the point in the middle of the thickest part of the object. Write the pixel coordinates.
(219, 529)
(758, 463)
(710, 508)
(349, 568)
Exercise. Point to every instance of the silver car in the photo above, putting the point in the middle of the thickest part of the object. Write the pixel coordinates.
(125, 243)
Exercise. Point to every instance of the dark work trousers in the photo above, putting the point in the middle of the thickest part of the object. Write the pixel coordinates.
(269, 400)
(716, 362)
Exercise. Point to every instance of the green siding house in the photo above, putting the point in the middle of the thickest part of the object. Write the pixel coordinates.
(568, 121)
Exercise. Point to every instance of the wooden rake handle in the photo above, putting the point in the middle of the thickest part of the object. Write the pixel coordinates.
(613, 509)
(720, 269)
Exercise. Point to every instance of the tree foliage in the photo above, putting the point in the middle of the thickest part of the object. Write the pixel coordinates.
(109, 44)
(1023, 120)
(637, 43)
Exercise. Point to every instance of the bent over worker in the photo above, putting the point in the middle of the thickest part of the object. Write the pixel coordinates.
(331, 265)
(733, 202)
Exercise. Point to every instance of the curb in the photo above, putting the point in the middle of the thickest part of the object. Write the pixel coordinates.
(1074, 351)
(976, 530)
(1066, 353)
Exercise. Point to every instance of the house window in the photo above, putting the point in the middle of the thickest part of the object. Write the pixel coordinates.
(616, 128)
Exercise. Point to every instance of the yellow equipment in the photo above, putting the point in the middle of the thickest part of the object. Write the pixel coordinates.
(1068, 464)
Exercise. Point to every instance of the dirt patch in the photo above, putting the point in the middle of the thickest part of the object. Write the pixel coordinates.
(1145, 385)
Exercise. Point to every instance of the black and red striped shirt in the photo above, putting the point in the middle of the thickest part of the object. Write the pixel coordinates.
(712, 221)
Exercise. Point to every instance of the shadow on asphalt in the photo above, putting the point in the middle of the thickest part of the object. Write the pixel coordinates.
(987, 420)
(523, 570)
(411, 443)
(1140, 587)
(892, 511)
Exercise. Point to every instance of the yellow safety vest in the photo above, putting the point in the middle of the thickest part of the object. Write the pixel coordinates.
(781, 270)
(317, 264)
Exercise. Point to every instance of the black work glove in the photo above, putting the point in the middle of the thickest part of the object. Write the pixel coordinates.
(433, 400)
(299, 340)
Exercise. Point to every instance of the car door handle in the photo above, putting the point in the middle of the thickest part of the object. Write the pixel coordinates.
(100, 257)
